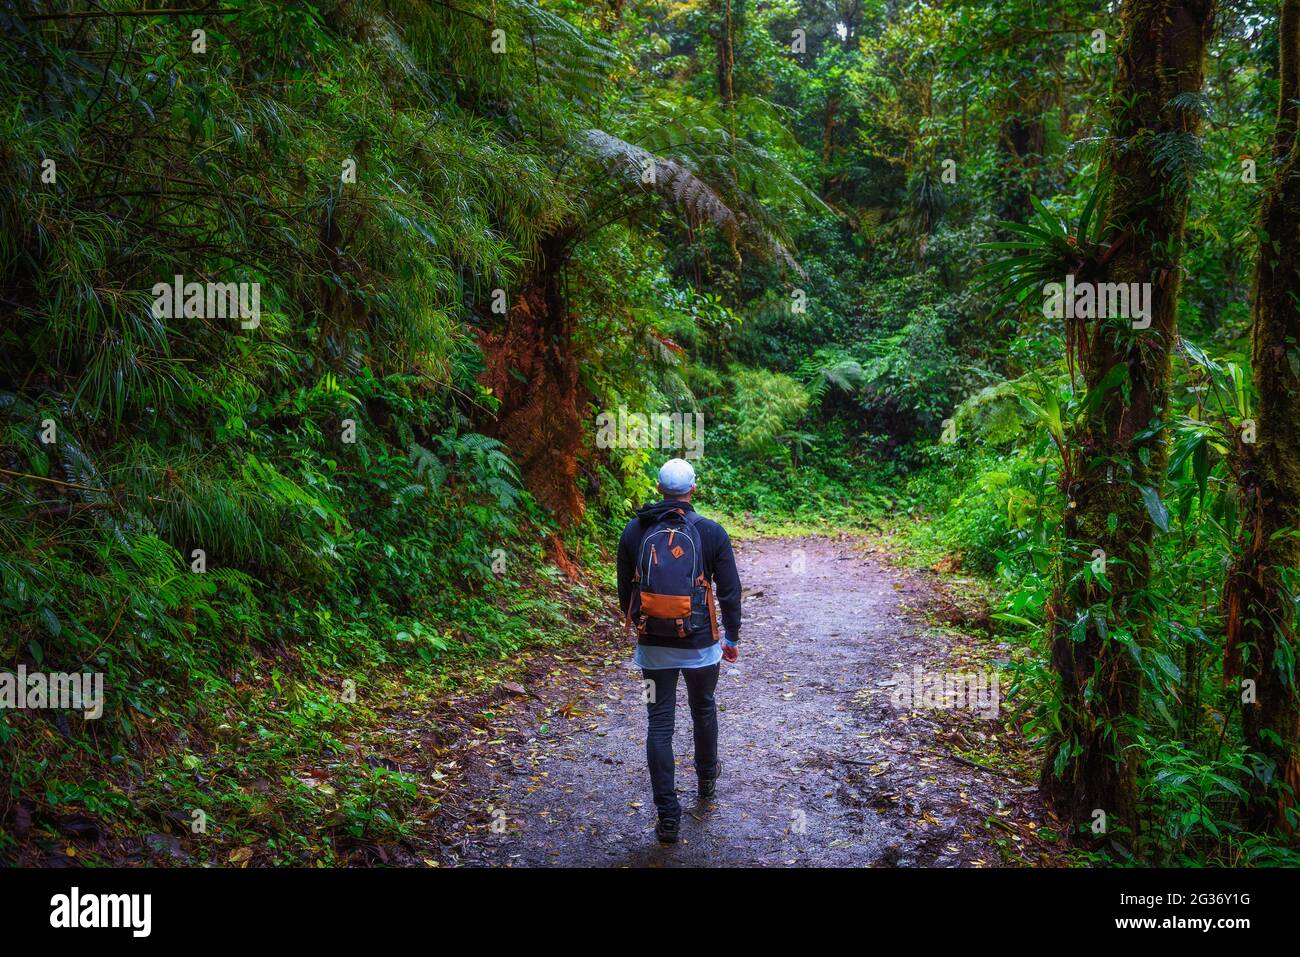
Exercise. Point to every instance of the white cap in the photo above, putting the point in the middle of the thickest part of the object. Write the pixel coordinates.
(677, 477)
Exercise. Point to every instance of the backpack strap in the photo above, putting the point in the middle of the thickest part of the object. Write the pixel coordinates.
(694, 518)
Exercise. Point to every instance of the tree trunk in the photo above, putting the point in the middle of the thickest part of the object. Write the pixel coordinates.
(532, 369)
(1021, 140)
(726, 55)
(1261, 644)
(1161, 55)
(830, 119)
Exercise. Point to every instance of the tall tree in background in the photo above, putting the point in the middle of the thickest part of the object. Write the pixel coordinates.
(1113, 491)
(1260, 602)
(730, 15)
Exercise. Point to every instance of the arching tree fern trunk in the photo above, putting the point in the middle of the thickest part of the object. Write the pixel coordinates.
(1120, 444)
(533, 369)
(1260, 613)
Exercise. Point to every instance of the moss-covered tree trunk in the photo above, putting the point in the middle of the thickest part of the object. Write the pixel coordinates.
(1121, 445)
(1261, 641)
(730, 13)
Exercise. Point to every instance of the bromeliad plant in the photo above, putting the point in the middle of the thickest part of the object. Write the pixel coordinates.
(1045, 250)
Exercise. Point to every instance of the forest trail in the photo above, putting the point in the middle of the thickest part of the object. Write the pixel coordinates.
(819, 768)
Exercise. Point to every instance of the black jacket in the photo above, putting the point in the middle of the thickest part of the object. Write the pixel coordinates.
(719, 561)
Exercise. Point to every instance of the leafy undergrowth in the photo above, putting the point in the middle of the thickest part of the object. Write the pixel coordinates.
(1188, 794)
(750, 526)
(287, 766)
(847, 519)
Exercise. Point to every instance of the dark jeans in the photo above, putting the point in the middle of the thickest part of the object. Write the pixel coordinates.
(662, 707)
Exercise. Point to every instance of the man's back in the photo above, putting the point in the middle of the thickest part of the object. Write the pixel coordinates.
(718, 560)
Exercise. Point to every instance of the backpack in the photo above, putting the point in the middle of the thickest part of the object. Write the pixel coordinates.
(671, 597)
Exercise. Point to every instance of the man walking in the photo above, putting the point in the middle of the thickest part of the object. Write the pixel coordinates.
(669, 559)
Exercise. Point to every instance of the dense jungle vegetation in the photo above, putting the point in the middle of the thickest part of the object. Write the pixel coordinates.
(475, 225)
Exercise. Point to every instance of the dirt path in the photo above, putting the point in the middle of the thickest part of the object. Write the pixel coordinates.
(819, 767)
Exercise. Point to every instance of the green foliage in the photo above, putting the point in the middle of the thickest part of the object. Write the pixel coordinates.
(778, 246)
(767, 406)
(1046, 249)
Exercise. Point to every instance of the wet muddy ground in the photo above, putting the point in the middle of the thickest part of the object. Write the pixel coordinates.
(820, 767)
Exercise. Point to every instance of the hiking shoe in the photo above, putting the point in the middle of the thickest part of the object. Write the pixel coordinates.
(667, 829)
(709, 788)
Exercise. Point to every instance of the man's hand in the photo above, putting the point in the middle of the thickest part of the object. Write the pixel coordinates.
(729, 650)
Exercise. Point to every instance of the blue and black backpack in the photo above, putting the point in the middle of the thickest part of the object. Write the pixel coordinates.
(671, 595)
